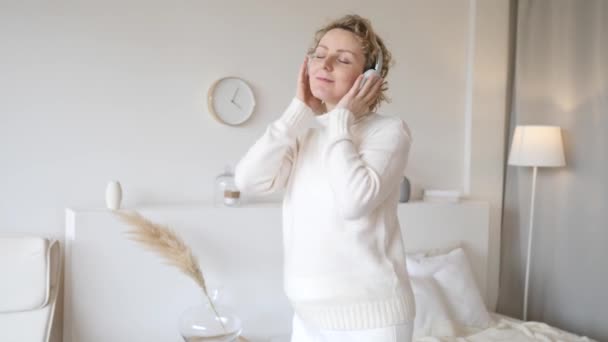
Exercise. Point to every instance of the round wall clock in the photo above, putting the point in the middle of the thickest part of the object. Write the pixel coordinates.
(231, 100)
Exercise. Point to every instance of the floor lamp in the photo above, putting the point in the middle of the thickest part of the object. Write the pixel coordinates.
(535, 146)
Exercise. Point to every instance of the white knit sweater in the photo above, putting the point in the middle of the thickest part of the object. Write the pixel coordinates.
(344, 265)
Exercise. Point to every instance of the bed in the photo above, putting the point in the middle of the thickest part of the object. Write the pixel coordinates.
(117, 291)
(513, 330)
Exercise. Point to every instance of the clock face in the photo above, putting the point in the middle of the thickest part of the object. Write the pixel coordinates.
(231, 100)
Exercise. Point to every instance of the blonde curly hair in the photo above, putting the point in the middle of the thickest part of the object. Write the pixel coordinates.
(371, 44)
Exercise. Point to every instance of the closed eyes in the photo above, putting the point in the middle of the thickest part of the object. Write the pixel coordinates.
(322, 56)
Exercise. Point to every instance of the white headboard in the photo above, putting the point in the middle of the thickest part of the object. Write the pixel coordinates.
(436, 226)
(117, 291)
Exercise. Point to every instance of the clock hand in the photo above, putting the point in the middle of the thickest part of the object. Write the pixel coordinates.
(234, 96)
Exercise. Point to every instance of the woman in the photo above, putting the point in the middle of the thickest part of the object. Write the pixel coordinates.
(340, 165)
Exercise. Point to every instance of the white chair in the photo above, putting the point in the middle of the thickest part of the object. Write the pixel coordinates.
(30, 273)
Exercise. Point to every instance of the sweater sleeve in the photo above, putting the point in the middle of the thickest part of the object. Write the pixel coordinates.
(266, 166)
(362, 178)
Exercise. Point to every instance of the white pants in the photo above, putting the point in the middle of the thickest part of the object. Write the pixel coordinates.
(301, 332)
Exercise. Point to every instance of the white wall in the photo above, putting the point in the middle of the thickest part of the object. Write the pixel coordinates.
(95, 91)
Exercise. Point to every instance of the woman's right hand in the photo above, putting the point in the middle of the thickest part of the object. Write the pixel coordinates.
(303, 92)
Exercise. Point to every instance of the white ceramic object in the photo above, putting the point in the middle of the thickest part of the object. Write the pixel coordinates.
(113, 195)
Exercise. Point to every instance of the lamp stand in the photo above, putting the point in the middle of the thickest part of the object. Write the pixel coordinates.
(529, 243)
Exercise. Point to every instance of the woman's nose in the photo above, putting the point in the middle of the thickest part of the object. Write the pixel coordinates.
(328, 63)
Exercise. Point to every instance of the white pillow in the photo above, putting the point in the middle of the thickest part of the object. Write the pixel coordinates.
(429, 252)
(455, 279)
(423, 265)
(432, 316)
(463, 297)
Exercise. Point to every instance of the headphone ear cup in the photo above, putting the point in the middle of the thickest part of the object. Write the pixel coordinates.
(367, 74)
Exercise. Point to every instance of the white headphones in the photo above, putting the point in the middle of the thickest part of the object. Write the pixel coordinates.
(376, 70)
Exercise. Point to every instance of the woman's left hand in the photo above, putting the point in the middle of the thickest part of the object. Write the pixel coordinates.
(358, 101)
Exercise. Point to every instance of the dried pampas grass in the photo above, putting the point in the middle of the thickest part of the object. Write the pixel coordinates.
(166, 243)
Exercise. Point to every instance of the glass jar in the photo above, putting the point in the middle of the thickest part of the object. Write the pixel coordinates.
(207, 323)
(225, 190)
(232, 197)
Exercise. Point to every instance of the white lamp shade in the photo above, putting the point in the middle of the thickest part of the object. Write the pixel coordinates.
(537, 146)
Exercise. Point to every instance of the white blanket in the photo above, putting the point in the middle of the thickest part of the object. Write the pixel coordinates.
(512, 330)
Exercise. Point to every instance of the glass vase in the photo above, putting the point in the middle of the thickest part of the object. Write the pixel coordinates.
(225, 190)
(209, 323)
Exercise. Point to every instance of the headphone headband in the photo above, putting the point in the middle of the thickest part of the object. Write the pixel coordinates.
(379, 61)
